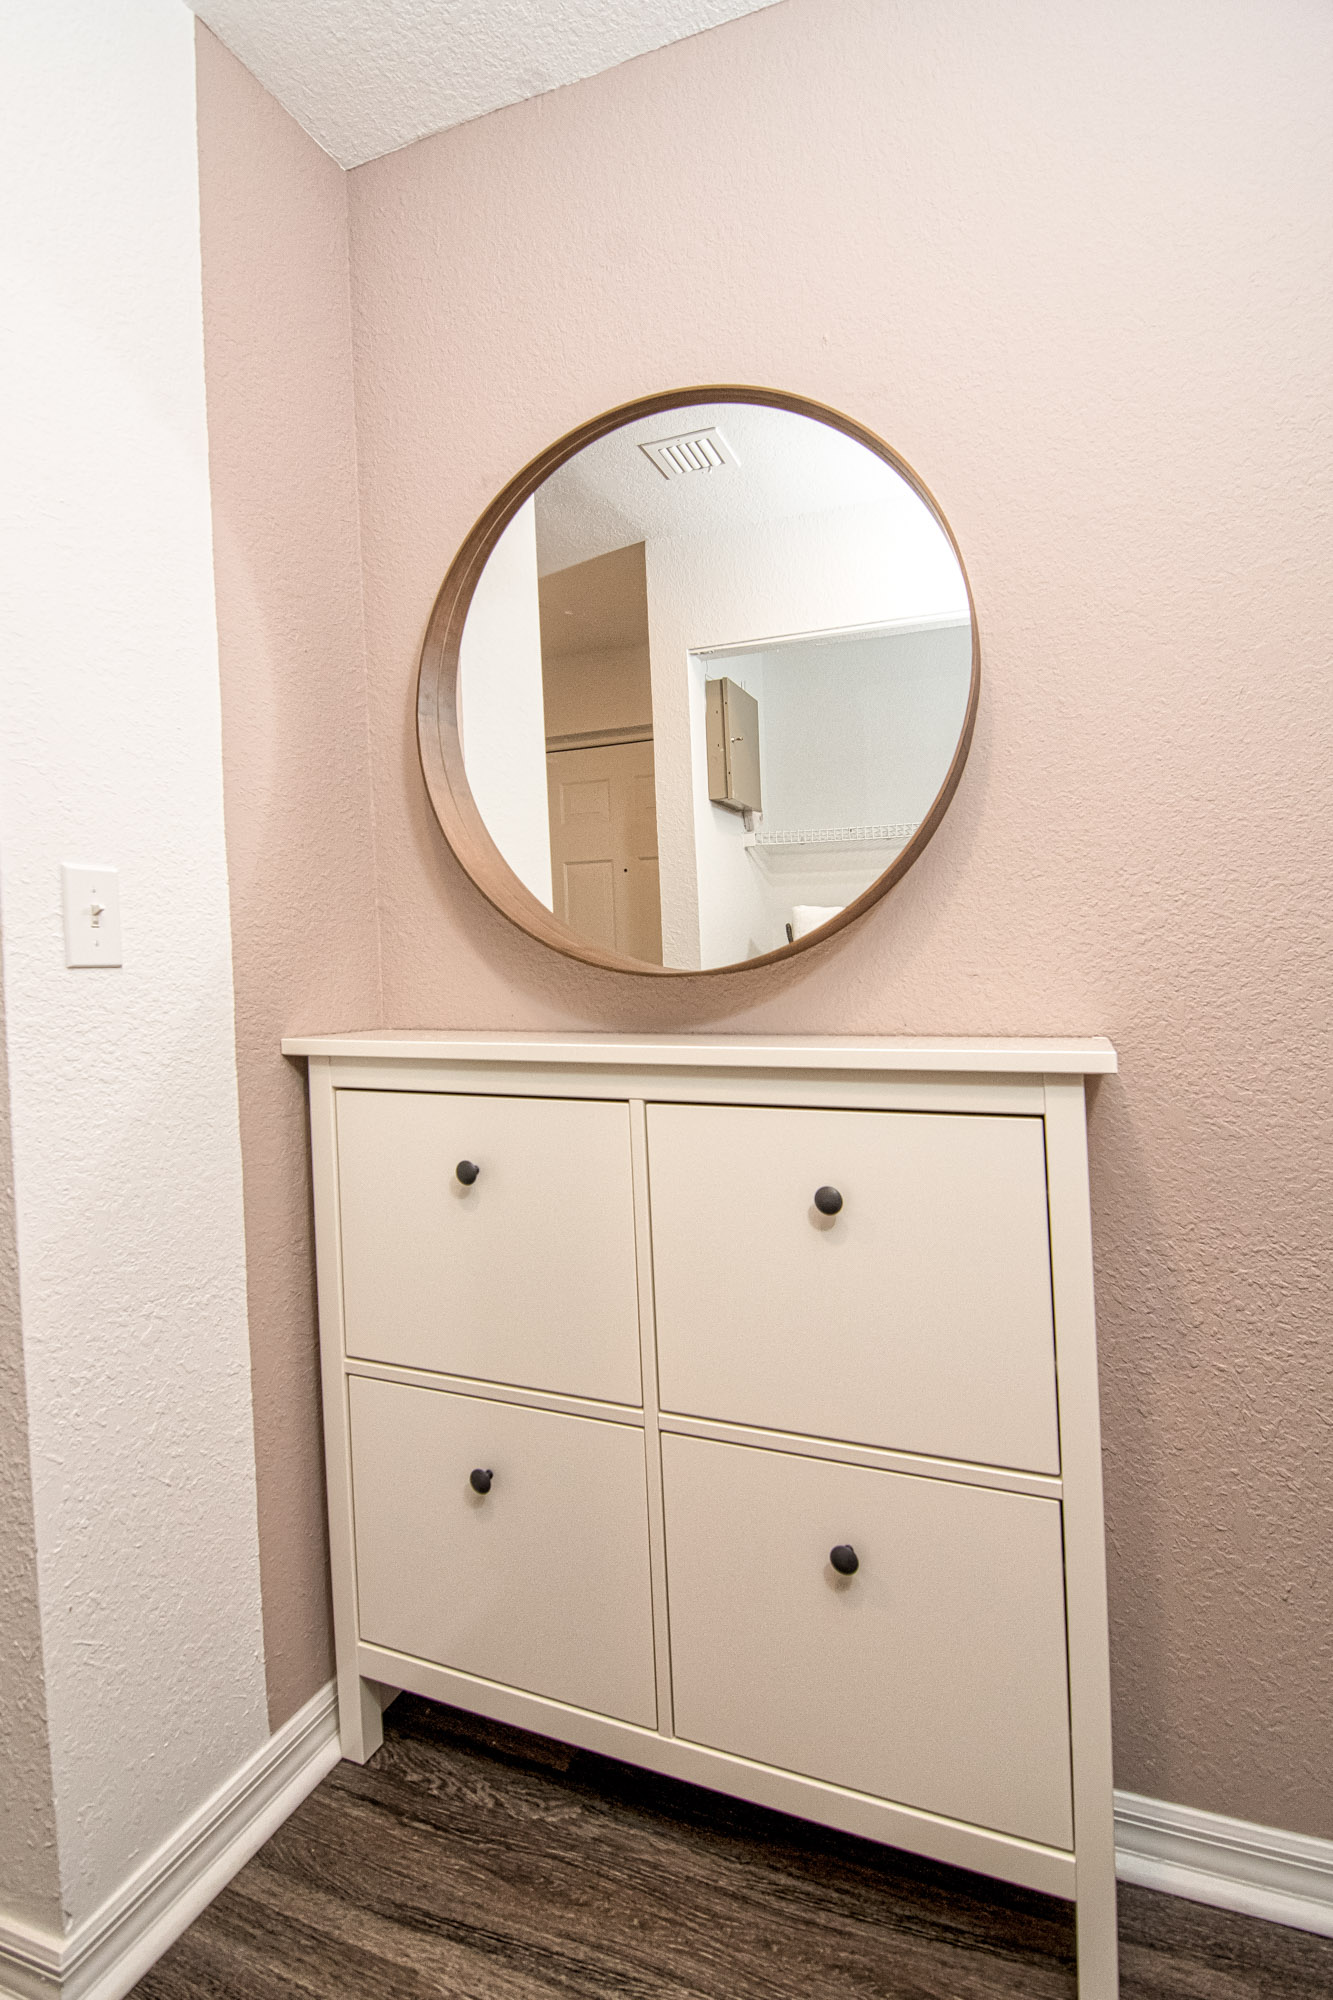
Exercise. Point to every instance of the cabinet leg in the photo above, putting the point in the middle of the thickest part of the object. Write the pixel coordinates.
(1098, 1941)
(361, 1706)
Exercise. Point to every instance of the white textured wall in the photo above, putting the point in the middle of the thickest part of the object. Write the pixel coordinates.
(126, 1152)
(864, 731)
(503, 717)
(29, 1875)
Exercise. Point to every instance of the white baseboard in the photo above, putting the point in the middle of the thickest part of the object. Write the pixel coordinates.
(1286, 1878)
(102, 1957)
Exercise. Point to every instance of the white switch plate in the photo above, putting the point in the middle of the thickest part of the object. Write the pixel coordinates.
(92, 915)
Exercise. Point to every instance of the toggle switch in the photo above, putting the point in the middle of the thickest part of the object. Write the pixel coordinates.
(92, 915)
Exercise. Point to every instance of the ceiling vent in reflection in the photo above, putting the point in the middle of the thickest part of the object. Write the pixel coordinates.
(695, 451)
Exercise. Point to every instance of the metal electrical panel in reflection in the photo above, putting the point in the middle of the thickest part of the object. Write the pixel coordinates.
(733, 746)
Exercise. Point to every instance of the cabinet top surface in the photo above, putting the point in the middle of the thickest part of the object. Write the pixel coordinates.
(1049, 1055)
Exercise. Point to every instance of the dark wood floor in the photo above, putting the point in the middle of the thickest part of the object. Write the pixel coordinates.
(468, 1862)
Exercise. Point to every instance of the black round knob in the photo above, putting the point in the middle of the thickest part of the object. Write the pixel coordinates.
(467, 1172)
(480, 1481)
(845, 1559)
(827, 1200)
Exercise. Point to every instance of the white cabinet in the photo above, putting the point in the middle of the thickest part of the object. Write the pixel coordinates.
(737, 1417)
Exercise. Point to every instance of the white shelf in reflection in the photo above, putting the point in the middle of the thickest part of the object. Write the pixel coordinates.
(801, 839)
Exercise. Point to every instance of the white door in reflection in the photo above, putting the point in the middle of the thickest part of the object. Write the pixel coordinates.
(604, 846)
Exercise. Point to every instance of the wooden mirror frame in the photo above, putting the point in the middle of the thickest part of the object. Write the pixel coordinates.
(439, 740)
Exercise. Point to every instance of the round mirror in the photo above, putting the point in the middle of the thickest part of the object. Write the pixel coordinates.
(700, 684)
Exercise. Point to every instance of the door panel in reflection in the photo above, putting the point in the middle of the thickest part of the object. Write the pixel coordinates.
(604, 846)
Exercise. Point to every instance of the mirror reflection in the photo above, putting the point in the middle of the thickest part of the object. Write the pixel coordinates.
(711, 680)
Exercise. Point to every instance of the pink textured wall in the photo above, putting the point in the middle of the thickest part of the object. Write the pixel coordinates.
(1066, 259)
(300, 843)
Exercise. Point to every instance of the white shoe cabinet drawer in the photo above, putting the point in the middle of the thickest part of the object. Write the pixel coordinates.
(915, 1316)
(524, 1274)
(933, 1674)
(541, 1581)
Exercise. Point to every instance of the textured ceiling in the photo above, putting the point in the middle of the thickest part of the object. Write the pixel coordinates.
(609, 494)
(367, 76)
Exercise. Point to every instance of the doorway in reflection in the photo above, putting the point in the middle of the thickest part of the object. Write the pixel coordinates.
(854, 729)
(601, 789)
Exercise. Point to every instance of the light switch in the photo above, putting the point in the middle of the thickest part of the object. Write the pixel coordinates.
(92, 915)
